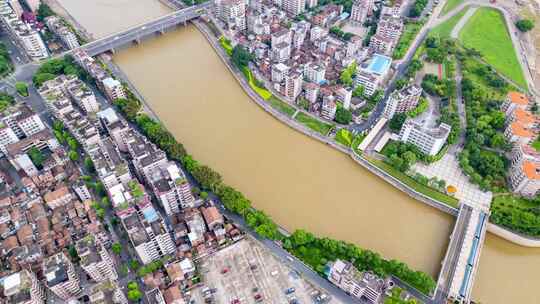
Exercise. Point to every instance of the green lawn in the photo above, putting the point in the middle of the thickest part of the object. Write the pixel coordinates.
(409, 33)
(444, 29)
(226, 44)
(451, 201)
(450, 5)
(281, 106)
(344, 137)
(313, 124)
(356, 142)
(486, 32)
(257, 87)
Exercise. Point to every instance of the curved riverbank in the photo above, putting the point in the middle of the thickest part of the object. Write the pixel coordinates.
(495, 229)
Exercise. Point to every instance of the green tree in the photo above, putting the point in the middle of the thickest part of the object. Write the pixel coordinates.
(22, 88)
(397, 121)
(134, 295)
(240, 56)
(343, 116)
(525, 25)
(73, 155)
(116, 248)
(44, 11)
(73, 253)
(207, 177)
(358, 91)
(36, 156)
(89, 164)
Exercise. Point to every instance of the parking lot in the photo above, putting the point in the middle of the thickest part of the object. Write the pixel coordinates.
(247, 272)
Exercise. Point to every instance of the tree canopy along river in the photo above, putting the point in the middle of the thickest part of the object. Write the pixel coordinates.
(301, 183)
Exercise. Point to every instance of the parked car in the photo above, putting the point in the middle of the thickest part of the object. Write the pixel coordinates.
(290, 290)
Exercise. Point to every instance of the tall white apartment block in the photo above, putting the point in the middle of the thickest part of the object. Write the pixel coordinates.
(23, 288)
(148, 234)
(311, 3)
(294, 7)
(311, 92)
(344, 95)
(402, 101)
(233, 13)
(293, 85)
(524, 178)
(7, 137)
(279, 71)
(95, 259)
(428, 140)
(83, 96)
(113, 89)
(360, 10)
(329, 107)
(171, 188)
(61, 277)
(316, 33)
(315, 72)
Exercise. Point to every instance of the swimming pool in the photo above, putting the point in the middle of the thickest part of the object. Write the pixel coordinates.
(379, 64)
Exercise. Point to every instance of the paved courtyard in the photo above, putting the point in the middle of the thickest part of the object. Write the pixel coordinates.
(247, 272)
(448, 169)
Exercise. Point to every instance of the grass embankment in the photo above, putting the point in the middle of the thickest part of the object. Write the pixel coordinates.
(516, 213)
(444, 29)
(536, 144)
(486, 32)
(226, 44)
(314, 124)
(409, 33)
(344, 137)
(281, 106)
(409, 181)
(256, 85)
(450, 5)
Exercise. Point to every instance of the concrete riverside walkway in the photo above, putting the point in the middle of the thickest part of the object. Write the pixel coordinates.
(461, 23)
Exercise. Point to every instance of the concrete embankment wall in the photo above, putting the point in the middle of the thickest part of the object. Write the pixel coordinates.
(512, 236)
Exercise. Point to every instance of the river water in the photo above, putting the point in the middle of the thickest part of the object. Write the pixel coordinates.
(301, 183)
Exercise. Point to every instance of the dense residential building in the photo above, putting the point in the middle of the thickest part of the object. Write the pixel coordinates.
(515, 100)
(344, 96)
(429, 140)
(279, 71)
(359, 285)
(113, 89)
(57, 26)
(233, 13)
(293, 85)
(23, 287)
(311, 92)
(329, 107)
(294, 7)
(22, 32)
(95, 260)
(17, 152)
(372, 73)
(61, 277)
(524, 178)
(402, 101)
(22, 120)
(171, 188)
(315, 72)
(83, 96)
(360, 10)
(111, 168)
(147, 233)
(107, 292)
(518, 133)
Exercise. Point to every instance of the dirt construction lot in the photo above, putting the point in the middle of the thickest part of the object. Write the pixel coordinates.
(246, 272)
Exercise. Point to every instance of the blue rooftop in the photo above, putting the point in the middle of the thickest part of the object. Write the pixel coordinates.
(379, 64)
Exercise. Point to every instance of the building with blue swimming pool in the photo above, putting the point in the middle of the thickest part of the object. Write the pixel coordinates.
(372, 73)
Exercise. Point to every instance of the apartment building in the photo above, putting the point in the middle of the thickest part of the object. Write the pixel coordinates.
(372, 73)
(83, 96)
(59, 197)
(360, 10)
(329, 107)
(300, 30)
(524, 178)
(106, 293)
(171, 188)
(113, 89)
(22, 120)
(16, 152)
(402, 101)
(146, 157)
(293, 85)
(23, 33)
(61, 277)
(311, 92)
(233, 13)
(23, 287)
(429, 140)
(147, 233)
(518, 133)
(513, 101)
(343, 95)
(294, 7)
(315, 72)
(7, 137)
(111, 168)
(279, 71)
(58, 27)
(95, 259)
(359, 285)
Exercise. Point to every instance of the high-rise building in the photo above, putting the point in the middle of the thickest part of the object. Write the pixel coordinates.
(428, 140)
(61, 277)
(113, 89)
(23, 288)
(360, 10)
(233, 13)
(57, 26)
(329, 107)
(171, 188)
(315, 72)
(95, 259)
(359, 285)
(294, 7)
(402, 101)
(293, 85)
